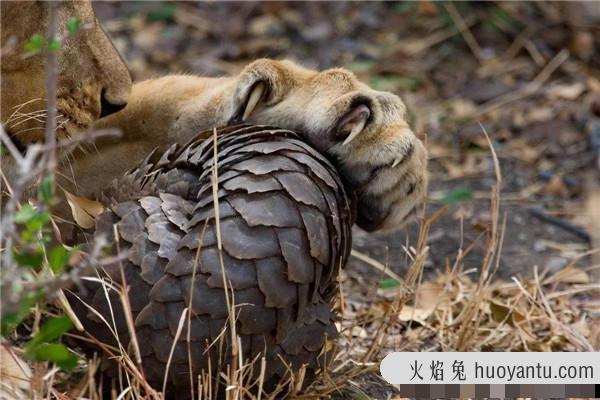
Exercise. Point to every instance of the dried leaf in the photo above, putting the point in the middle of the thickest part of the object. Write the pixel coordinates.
(556, 187)
(84, 211)
(14, 372)
(571, 274)
(462, 108)
(427, 298)
(503, 313)
(569, 91)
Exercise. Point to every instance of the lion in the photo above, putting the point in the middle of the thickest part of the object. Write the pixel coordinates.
(93, 80)
(364, 131)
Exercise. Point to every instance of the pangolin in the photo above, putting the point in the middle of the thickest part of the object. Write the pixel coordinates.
(281, 234)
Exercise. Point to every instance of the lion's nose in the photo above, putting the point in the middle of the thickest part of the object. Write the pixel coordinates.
(107, 108)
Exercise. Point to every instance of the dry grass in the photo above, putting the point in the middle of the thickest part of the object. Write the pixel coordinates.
(451, 312)
(460, 310)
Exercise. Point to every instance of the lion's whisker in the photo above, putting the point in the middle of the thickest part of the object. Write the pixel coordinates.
(27, 130)
(18, 115)
(18, 107)
(62, 123)
(36, 118)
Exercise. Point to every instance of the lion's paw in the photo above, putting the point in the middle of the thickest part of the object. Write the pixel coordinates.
(363, 130)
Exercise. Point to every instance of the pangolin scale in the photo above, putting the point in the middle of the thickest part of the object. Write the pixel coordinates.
(284, 226)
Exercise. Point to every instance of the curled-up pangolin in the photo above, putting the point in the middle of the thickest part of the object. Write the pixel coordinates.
(284, 225)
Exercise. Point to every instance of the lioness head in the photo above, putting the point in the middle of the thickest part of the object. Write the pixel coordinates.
(93, 80)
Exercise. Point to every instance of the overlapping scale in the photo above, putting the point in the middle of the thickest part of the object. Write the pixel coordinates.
(285, 231)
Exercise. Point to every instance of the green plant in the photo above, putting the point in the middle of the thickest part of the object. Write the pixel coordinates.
(33, 269)
(73, 25)
(456, 196)
(38, 44)
(44, 345)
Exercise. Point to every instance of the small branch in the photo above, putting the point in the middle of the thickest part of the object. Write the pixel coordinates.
(10, 146)
(414, 47)
(377, 265)
(560, 223)
(534, 53)
(517, 44)
(87, 136)
(51, 79)
(465, 31)
(527, 90)
(51, 286)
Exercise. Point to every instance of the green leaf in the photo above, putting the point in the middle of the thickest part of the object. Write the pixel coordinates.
(456, 196)
(73, 25)
(54, 45)
(358, 394)
(37, 221)
(58, 258)
(25, 214)
(388, 283)
(29, 236)
(45, 189)
(51, 330)
(34, 45)
(40, 347)
(31, 259)
(58, 353)
(9, 321)
(37, 43)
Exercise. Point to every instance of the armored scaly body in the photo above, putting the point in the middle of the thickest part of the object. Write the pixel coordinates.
(284, 221)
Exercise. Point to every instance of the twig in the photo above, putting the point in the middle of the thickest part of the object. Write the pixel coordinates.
(535, 54)
(518, 43)
(527, 90)
(51, 78)
(415, 47)
(560, 223)
(10, 146)
(86, 136)
(376, 264)
(465, 31)
(51, 286)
